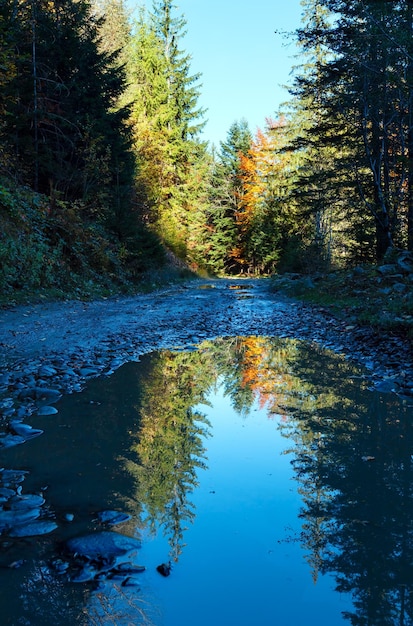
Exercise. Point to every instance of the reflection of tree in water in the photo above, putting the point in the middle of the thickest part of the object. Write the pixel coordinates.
(170, 441)
(353, 463)
(352, 459)
(170, 446)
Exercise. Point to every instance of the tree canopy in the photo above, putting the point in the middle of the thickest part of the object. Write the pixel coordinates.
(100, 116)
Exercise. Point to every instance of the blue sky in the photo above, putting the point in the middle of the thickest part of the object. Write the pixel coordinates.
(242, 61)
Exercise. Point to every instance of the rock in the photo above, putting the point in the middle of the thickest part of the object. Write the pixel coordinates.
(88, 371)
(405, 261)
(6, 493)
(42, 527)
(47, 410)
(164, 569)
(386, 270)
(24, 430)
(359, 270)
(24, 502)
(399, 288)
(385, 386)
(10, 477)
(128, 568)
(102, 545)
(8, 441)
(47, 371)
(112, 518)
(11, 519)
(60, 566)
(86, 574)
(40, 394)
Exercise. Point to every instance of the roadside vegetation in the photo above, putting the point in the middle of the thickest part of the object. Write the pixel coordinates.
(380, 297)
(106, 184)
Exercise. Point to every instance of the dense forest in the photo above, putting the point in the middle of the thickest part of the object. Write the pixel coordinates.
(105, 176)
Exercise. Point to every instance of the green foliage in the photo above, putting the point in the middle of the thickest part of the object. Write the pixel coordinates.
(165, 123)
(358, 296)
(353, 96)
(48, 248)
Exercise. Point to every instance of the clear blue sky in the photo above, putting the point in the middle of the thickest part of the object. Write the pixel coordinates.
(242, 61)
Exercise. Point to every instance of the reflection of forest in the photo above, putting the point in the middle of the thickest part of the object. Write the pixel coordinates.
(352, 457)
(170, 441)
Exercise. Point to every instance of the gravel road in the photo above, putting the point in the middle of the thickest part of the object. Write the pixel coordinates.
(61, 344)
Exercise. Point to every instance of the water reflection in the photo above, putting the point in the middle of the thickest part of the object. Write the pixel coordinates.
(351, 455)
(142, 441)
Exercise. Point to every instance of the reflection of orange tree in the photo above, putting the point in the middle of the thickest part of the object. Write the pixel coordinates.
(170, 440)
(266, 371)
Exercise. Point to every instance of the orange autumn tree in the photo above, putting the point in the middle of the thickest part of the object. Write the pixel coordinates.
(263, 218)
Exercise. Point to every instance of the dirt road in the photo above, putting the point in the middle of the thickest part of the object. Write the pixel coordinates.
(78, 339)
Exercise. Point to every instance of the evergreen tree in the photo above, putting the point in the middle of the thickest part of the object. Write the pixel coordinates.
(226, 196)
(166, 124)
(67, 138)
(360, 118)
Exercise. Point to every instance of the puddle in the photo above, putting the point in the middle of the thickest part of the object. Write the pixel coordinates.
(274, 482)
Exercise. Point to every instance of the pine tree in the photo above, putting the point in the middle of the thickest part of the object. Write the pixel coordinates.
(226, 196)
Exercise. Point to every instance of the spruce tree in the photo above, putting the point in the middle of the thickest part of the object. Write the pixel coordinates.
(364, 112)
(166, 124)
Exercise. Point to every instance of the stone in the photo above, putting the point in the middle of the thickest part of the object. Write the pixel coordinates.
(112, 518)
(387, 269)
(41, 527)
(47, 410)
(102, 545)
(8, 441)
(24, 430)
(164, 569)
(40, 393)
(47, 371)
(399, 288)
(10, 519)
(24, 502)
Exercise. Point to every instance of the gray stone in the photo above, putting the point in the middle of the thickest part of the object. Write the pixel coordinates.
(24, 430)
(10, 519)
(399, 288)
(106, 545)
(385, 270)
(47, 370)
(89, 371)
(8, 441)
(25, 502)
(47, 410)
(32, 529)
(112, 518)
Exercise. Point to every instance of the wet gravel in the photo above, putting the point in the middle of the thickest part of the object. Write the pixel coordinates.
(51, 349)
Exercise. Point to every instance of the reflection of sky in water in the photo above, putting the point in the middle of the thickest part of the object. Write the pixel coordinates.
(241, 565)
(259, 536)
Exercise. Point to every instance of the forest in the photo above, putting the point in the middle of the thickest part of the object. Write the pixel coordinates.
(105, 178)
